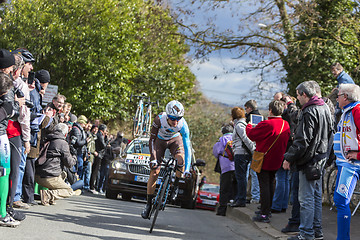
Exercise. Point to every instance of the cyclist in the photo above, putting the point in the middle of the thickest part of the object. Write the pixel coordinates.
(169, 130)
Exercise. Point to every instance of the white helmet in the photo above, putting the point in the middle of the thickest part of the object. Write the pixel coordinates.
(175, 108)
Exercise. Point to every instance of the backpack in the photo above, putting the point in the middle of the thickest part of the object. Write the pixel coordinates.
(228, 151)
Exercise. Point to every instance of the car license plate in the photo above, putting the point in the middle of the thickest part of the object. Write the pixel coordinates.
(145, 179)
(141, 161)
(209, 202)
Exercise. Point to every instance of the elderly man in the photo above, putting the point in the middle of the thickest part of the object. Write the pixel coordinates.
(308, 153)
(346, 149)
(49, 170)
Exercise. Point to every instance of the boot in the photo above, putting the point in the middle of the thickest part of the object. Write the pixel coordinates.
(146, 212)
(44, 197)
(175, 191)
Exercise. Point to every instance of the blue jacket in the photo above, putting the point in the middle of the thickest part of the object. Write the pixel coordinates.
(344, 78)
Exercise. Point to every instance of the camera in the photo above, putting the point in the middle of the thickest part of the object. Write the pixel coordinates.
(31, 78)
(20, 94)
(73, 140)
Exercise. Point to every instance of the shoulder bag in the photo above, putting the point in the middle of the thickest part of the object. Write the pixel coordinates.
(258, 157)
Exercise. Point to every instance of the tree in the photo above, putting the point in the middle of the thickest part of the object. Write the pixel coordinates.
(301, 37)
(99, 52)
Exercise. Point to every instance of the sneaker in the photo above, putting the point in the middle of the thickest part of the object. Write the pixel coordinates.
(297, 237)
(255, 201)
(221, 213)
(21, 205)
(45, 198)
(77, 192)
(261, 218)
(290, 228)
(16, 215)
(259, 213)
(319, 236)
(33, 203)
(146, 212)
(93, 191)
(8, 221)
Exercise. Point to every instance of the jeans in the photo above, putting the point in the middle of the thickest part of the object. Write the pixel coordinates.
(255, 189)
(295, 212)
(21, 175)
(347, 179)
(310, 193)
(241, 167)
(78, 185)
(80, 165)
(281, 195)
(104, 170)
(87, 174)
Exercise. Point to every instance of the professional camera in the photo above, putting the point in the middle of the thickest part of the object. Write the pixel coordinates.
(20, 94)
(73, 140)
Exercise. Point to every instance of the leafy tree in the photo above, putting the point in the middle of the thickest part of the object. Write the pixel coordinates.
(99, 52)
(301, 37)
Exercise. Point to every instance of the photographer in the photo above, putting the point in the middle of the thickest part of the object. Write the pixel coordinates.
(77, 138)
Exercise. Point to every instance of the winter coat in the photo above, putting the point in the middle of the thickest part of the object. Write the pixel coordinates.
(240, 138)
(57, 156)
(264, 134)
(218, 149)
(312, 135)
(80, 134)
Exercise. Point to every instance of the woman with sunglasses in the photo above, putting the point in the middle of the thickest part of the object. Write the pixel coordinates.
(169, 131)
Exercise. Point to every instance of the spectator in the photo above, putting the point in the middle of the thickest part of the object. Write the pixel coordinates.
(92, 136)
(42, 79)
(251, 108)
(227, 177)
(346, 148)
(271, 137)
(243, 148)
(6, 61)
(100, 145)
(48, 173)
(308, 152)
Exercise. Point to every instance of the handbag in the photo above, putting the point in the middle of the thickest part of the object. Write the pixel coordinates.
(258, 157)
(217, 166)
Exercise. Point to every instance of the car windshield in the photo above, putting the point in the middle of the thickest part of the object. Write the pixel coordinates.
(210, 188)
(142, 146)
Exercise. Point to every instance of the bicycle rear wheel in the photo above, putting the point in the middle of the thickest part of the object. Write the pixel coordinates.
(160, 201)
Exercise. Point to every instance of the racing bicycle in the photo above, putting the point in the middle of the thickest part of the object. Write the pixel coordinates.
(142, 121)
(163, 192)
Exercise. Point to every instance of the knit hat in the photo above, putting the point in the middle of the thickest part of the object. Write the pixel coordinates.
(7, 59)
(102, 127)
(43, 76)
(82, 119)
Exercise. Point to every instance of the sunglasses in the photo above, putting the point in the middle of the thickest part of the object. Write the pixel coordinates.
(173, 118)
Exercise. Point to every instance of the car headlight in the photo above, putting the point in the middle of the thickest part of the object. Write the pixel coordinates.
(118, 165)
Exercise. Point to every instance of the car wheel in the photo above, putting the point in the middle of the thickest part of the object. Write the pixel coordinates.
(111, 194)
(126, 196)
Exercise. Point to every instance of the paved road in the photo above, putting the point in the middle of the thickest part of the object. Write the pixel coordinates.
(95, 217)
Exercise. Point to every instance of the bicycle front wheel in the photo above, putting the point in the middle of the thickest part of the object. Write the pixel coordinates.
(160, 201)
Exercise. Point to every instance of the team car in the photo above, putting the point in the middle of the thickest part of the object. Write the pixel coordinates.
(208, 196)
(129, 173)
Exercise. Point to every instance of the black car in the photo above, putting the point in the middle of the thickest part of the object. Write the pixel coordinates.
(128, 175)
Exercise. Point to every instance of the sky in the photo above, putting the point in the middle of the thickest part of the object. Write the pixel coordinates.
(230, 88)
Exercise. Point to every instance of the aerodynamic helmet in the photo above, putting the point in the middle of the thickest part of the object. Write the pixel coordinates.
(27, 56)
(175, 109)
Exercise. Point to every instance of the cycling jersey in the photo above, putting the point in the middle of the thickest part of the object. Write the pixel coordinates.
(162, 130)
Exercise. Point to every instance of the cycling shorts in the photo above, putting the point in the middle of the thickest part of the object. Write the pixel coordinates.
(175, 145)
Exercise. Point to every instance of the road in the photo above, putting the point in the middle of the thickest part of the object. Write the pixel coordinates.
(95, 217)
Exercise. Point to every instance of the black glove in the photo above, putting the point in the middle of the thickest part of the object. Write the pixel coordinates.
(73, 151)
